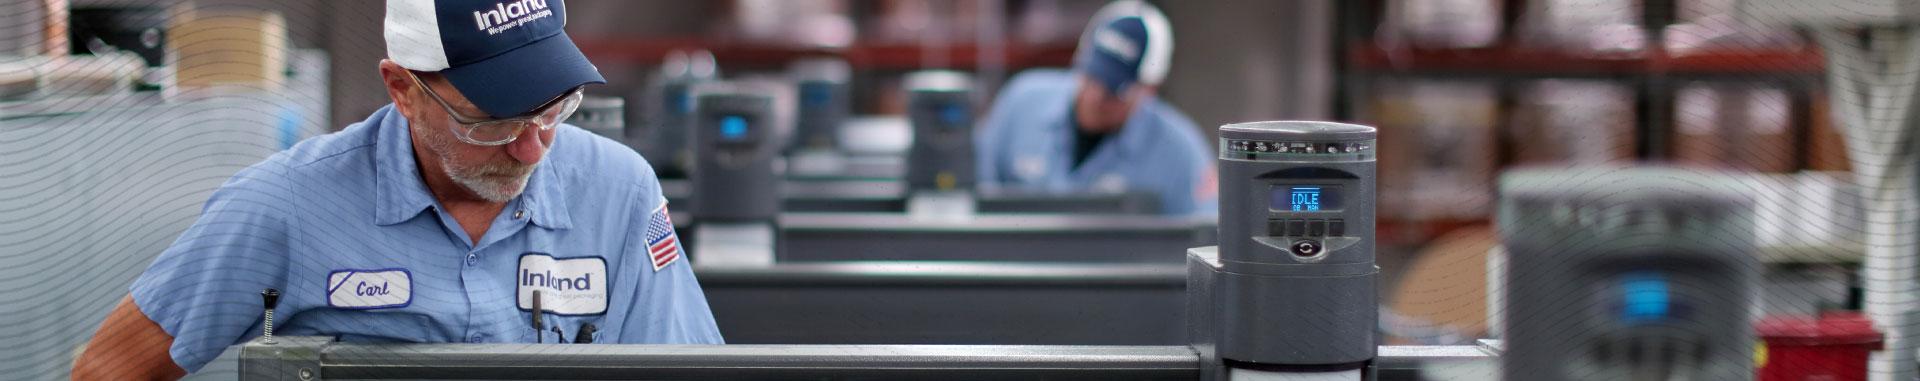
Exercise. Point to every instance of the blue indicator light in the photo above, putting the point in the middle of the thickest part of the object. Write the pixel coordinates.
(953, 115)
(816, 95)
(680, 102)
(733, 127)
(1646, 297)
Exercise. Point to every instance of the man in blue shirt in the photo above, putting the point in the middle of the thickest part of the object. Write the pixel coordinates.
(1100, 128)
(440, 218)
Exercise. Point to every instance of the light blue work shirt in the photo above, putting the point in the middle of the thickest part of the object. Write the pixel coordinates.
(1026, 142)
(344, 227)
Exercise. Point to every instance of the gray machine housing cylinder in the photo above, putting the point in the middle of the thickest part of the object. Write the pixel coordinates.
(826, 101)
(942, 119)
(1300, 281)
(1583, 243)
(735, 175)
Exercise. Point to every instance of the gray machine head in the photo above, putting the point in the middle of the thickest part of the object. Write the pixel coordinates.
(669, 110)
(1627, 274)
(940, 107)
(1292, 285)
(735, 148)
(825, 102)
(1301, 193)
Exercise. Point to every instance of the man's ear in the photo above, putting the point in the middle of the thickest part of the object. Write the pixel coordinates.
(398, 85)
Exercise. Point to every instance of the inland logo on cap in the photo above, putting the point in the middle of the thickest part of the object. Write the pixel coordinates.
(508, 57)
(1127, 42)
(1117, 44)
(506, 16)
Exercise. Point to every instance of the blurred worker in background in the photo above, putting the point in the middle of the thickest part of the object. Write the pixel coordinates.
(443, 217)
(1100, 127)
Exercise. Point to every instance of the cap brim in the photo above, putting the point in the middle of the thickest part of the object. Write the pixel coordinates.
(520, 80)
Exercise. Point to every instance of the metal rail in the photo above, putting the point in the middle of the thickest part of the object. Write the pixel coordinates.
(757, 362)
(316, 358)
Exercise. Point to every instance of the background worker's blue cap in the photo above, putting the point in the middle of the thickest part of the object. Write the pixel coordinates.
(508, 57)
(1127, 42)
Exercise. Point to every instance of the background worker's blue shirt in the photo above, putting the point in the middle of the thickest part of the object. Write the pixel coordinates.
(340, 222)
(1026, 142)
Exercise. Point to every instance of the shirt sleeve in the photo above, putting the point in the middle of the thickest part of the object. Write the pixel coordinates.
(204, 290)
(990, 136)
(669, 308)
(1192, 187)
(1177, 192)
(1205, 189)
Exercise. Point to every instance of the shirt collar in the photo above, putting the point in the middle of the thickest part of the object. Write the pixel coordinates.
(1138, 132)
(543, 199)
(401, 194)
(1133, 136)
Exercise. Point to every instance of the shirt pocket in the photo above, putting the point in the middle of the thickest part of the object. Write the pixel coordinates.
(567, 329)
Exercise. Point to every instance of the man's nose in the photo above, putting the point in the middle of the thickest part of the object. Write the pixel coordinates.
(531, 145)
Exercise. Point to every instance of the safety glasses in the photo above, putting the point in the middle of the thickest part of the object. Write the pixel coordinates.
(485, 132)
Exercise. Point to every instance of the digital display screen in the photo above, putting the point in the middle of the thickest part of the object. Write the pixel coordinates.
(816, 94)
(1646, 297)
(733, 128)
(954, 115)
(680, 102)
(1305, 198)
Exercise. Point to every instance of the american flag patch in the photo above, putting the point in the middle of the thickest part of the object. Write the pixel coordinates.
(663, 246)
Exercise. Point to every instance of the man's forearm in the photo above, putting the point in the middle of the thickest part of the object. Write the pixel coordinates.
(128, 346)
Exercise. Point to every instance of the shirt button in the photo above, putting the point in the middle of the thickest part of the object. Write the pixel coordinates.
(472, 259)
(519, 214)
(474, 339)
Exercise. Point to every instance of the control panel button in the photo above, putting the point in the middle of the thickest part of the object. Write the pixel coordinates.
(1316, 228)
(1276, 228)
(1337, 228)
(1296, 227)
(1306, 248)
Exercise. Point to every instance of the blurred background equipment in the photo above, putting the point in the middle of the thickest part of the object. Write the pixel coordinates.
(1627, 274)
(604, 116)
(1872, 76)
(940, 164)
(736, 174)
(139, 29)
(1831, 346)
(668, 112)
(825, 107)
(221, 47)
(940, 107)
(825, 102)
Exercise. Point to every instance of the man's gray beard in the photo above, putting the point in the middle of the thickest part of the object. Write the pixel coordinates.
(477, 181)
(490, 188)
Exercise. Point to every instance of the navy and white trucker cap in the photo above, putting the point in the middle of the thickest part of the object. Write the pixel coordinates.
(1127, 42)
(506, 56)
